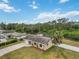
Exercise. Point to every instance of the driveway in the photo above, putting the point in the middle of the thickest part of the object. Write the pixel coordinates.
(69, 47)
(12, 48)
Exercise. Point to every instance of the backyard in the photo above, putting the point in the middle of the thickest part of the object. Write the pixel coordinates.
(34, 53)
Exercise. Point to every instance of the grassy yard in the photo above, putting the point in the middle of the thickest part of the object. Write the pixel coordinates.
(71, 42)
(34, 53)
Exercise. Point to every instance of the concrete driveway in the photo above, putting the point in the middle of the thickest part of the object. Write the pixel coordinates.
(12, 48)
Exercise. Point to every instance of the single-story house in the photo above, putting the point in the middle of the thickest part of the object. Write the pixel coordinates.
(19, 35)
(40, 42)
(3, 38)
(15, 35)
(7, 33)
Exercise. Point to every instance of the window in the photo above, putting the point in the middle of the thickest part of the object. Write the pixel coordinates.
(29, 42)
(34, 43)
(40, 45)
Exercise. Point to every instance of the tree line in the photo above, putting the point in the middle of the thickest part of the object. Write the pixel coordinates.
(59, 24)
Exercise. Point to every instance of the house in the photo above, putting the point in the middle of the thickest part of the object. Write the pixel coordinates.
(7, 33)
(19, 35)
(15, 35)
(3, 38)
(1, 31)
(40, 42)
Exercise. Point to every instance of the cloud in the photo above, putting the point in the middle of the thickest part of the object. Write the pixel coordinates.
(33, 5)
(49, 16)
(7, 8)
(63, 1)
(6, 1)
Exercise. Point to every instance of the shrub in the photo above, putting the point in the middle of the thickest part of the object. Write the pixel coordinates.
(8, 42)
(2, 44)
(72, 37)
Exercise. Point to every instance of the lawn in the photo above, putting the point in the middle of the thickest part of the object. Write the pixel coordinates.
(71, 42)
(34, 53)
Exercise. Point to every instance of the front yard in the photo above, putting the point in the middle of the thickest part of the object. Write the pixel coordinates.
(34, 53)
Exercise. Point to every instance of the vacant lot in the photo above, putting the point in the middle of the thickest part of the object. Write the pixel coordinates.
(34, 53)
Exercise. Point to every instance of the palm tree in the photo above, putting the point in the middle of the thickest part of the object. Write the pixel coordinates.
(58, 37)
(57, 40)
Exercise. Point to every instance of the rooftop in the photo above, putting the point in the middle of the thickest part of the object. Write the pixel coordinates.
(2, 36)
(40, 39)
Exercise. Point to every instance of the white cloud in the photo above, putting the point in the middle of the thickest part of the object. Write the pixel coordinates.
(33, 5)
(63, 1)
(49, 16)
(7, 8)
(6, 1)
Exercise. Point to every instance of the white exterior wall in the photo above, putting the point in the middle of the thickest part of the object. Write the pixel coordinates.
(48, 46)
(44, 46)
(21, 37)
(26, 41)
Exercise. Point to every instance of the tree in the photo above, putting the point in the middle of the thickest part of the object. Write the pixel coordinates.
(3, 26)
(61, 23)
(58, 37)
(57, 40)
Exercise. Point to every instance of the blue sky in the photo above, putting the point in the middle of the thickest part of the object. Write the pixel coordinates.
(34, 11)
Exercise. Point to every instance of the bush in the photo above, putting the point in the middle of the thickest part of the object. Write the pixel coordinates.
(2, 44)
(8, 42)
(11, 41)
(72, 37)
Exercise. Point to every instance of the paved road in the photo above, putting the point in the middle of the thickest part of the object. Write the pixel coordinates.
(69, 47)
(12, 48)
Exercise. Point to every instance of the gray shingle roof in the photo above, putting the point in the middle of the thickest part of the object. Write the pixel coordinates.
(40, 39)
(2, 37)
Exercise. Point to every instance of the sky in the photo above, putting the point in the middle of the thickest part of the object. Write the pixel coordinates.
(35, 11)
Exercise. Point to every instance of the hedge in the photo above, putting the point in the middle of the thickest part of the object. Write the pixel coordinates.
(72, 37)
(8, 42)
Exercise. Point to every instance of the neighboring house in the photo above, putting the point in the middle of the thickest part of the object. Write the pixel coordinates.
(19, 35)
(1, 31)
(40, 42)
(3, 38)
(15, 35)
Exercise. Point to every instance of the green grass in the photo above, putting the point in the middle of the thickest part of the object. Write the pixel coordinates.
(71, 42)
(74, 32)
(34, 53)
